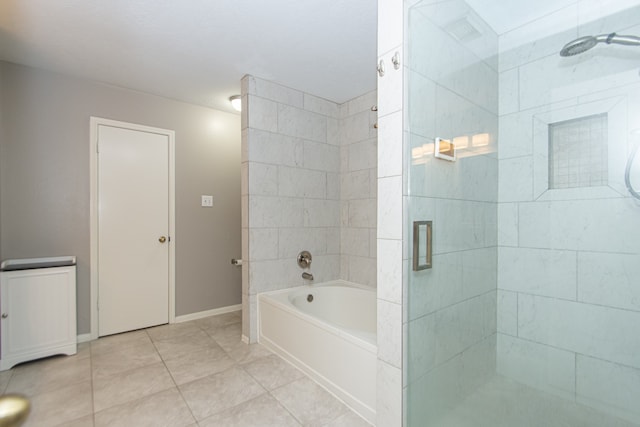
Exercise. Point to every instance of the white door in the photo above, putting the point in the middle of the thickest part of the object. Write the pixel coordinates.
(133, 229)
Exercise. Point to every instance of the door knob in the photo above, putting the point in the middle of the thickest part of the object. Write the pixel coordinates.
(162, 239)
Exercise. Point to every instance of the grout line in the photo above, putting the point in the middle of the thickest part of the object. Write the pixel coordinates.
(577, 253)
(518, 314)
(235, 365)
(575, 376)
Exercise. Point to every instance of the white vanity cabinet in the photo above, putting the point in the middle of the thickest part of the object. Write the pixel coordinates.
(38, 313)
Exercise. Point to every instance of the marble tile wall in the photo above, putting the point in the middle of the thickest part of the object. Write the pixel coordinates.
(358, 189)
(309, 183)
(390, 201)
(450, 310)
(291, 193)
(567, 304)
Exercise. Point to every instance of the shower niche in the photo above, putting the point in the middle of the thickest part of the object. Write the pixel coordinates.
(580, 151)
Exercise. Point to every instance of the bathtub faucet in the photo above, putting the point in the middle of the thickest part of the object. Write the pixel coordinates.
(307, 276)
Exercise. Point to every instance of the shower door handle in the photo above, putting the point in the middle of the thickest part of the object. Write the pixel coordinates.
(422, 245)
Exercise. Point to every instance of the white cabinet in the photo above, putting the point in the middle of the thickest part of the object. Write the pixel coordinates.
(38, 309)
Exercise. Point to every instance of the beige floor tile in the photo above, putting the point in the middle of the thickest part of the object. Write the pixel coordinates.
(124, 359)
(218, 392)
(173, 330)
(5, 376)
(60, 406)
(228, 337)
(245, 353)
(49, 374)
(309, 403)
(272, 371)
(213, 323)
(350, 419)
(179, 346)
(119, 342)
(130, 385)
(222, 382)
(83, 350)
(164, 409)
(263, 411)
(80, 422)
(199, 364)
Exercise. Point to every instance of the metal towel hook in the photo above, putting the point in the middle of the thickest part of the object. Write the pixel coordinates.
(381, 68)
(395, 59)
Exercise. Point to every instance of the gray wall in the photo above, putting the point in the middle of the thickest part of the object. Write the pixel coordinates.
(44, 180)
(1, 150)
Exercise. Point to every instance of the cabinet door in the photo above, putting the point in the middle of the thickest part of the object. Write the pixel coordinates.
(38, 313)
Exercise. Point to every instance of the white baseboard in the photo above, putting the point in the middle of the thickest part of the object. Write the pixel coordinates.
(178, 319)
(207, 313)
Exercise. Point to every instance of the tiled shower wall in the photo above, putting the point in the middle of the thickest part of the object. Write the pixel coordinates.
(452, 307)
(358, 172)
(568, 294)
(297, 196)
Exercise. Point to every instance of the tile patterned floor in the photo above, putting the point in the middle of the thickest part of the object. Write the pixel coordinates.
(196, 373)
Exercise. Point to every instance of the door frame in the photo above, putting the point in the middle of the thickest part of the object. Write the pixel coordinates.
(93, 213)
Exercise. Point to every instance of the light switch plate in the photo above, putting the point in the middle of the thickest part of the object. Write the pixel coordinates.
(207, 201)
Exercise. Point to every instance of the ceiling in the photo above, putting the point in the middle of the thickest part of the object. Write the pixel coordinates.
(504, 16)
(198, 50)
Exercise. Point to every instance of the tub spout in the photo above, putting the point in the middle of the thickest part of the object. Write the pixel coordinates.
(307, 276)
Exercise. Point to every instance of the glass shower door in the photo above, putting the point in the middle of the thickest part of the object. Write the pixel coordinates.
(530, 314)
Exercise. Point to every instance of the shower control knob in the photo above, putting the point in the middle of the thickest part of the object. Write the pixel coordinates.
(304, 259)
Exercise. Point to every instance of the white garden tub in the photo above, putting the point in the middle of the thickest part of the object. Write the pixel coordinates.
(332, 338)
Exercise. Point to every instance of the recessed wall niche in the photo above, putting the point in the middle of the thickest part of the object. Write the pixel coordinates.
(578, 152)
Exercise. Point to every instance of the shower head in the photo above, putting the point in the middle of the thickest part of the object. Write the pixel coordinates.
(583, 44)
(578, 46)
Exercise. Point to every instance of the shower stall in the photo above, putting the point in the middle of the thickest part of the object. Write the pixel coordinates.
(530, 312)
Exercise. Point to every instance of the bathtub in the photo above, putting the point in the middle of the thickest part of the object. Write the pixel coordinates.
(332, 338)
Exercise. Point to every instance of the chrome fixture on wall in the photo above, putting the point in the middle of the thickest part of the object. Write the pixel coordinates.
(395, 59)
(304, 262)
(380, 68)
(422, 233)
(304, 259)
(583, 44)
